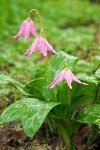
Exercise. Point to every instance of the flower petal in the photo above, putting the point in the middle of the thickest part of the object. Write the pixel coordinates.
(57, 79)
(32, 48)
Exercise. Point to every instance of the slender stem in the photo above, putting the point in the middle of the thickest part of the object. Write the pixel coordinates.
(36, 12)
(97, 95)
(93, 135)
(47, 68)
(69, 100)
(94, 129)
(65, 63)
(65, 134)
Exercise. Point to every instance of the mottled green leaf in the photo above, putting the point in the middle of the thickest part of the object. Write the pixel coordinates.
(88, 79)
(90, 115)
(31, 112)
(33, 115)
(11, 113)
(7, 80)
(97, 74)
(57, 62)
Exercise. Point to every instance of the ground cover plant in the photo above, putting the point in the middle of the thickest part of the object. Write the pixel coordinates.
(43, 99)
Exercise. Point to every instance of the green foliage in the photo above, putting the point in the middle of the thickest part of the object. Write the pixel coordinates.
(34, 88)
(31, 112)
(57, 62)
(90, 115)
(97, 74)
(70, 28)
(7, 80)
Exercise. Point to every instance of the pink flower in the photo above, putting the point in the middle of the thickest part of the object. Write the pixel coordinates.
(66, 75)
(26, 28)
(40, 44)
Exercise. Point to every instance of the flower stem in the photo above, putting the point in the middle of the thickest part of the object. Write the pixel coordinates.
(36, 12)
(69, 101)
(94, 128)
(93, 134)
(46, 58)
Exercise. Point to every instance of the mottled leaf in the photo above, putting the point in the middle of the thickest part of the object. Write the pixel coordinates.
(97, 74)
(90, 115)
(57, 62)
(31, 112)
(88, 79)
(7, 80)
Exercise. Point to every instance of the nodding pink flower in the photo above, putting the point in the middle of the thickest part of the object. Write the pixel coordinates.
(40, 44)
(25, 29)
(66, 75)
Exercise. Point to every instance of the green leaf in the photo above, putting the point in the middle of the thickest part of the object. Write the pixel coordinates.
(31, 112)
(7, 80)
(88, 79)
(11, 113)
(97, 73)
(58, 61)
(35, 87)
(82, 94)
(90, 115)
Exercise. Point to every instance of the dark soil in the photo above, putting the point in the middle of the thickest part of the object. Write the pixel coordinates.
(12, 137)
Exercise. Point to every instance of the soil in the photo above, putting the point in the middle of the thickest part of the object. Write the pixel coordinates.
(12, 137)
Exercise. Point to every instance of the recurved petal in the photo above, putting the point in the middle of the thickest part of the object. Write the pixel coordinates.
(32, 48)
(27, 52)
(43, 47)
(57, 79)
(76, 79)
(68, 78)
(49, 47)
(27, 29)
(33, 29)
(20, 32)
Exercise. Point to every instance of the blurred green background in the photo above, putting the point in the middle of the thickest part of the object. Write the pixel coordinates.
(71, 25)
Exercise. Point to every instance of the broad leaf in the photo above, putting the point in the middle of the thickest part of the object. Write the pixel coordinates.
(57, 62)
(7, 80)
(34, 88)
(90, 115)
(11, 113)
(82, 94)
(88, 79)
(38, 88)
(97, 74)
(31, 112)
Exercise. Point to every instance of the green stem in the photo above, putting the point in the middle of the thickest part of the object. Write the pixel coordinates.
(97, 95)
(93, 135)
(47, 69)
(94, 129)
(65, 132)
(36, 12)
(69, 105)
